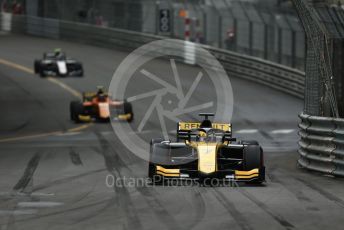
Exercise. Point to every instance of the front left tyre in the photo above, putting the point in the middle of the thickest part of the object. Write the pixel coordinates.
(76, 108)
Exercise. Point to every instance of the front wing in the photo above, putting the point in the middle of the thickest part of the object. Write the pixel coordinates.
(53, 70)
(228, 174)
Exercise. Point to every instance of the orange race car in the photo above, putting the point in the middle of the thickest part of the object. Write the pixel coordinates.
(99, 106)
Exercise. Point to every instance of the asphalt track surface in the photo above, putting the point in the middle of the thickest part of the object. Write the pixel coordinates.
(53, 172)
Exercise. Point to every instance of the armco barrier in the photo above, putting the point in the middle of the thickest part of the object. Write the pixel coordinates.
(43, 27)
(322, 144)
(338, 153)
(273, 75)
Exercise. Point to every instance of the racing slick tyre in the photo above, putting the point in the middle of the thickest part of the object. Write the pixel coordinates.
(82, 72)
(155, 178)
(128, 108)
(156, 156)
(37, 66)
(253, 158)
(76, 108)
(42, 74)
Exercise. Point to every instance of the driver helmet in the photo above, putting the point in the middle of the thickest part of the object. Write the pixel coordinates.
(100, 90)
(202, 136)
(57, 51)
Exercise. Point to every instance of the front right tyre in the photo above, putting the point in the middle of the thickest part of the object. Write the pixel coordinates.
(128, 109)
(253, 158)
(37, 66)
(155, 178)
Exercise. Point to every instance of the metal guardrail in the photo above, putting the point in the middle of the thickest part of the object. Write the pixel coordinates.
(273, 75)
(322, 144)
(264, 72)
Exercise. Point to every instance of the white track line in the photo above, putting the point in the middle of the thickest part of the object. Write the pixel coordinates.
(247, 131)
(282, 131)
(18, 212)
(39, 204)
(25, 194)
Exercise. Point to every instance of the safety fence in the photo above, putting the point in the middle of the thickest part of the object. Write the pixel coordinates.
(265, 72)
(322, 144)
(257, 29)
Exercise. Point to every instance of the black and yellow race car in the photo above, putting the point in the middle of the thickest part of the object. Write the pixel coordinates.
(101, 107)
(206, 150)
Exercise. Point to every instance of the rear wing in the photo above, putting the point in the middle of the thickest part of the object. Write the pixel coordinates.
(184, 128)
(88, 96)
(51, 55)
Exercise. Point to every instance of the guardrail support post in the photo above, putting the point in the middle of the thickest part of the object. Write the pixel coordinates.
(293, 49)
(220, 32)
(250, 34)
(279, 45)
(235, 29)
(266, 35)
(157, 16)
(205, 27)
